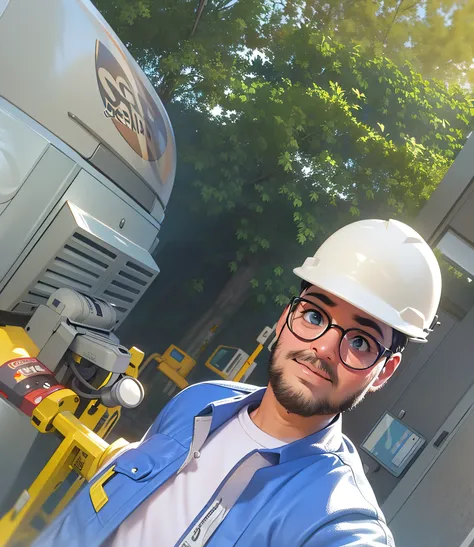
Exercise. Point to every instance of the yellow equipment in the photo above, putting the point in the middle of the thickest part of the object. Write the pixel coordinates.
(174, 363)
(232, 363)
(54, 409)
(247, 368)
(226, 361)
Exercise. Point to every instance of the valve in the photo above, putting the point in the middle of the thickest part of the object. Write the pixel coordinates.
(126, 392)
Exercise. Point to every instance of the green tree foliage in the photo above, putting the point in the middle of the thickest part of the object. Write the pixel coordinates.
(311, 132)
(194, 45)
(434, 35)
(317, 136)
(189, 49)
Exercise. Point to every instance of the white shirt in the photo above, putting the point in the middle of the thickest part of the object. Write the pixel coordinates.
(163, 518)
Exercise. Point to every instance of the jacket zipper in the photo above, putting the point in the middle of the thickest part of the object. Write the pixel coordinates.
(212, 500)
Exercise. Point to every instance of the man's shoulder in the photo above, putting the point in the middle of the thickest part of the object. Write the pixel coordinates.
(193, 399)
(336, 483)
(340, 475)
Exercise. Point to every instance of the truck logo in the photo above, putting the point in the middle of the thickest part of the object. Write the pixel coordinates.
(128, 104)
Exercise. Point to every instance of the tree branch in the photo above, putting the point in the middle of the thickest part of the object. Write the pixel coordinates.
(202, 5)
(395, 15)
(412, 6)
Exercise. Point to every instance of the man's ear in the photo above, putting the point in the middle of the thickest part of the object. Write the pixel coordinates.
(387, 371)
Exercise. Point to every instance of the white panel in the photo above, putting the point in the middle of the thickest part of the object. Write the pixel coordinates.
(20, 149)
(3, 6)
(97, 200)
(458, 251)
(26, 212)
(409, 447)
(236, 364)
(378, 432)
(265, 334)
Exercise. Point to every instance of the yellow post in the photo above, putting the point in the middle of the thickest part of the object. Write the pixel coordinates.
(134, 368)
(81, 451)
(248, 363)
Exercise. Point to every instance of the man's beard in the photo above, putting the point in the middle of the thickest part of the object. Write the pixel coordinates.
(296, 402)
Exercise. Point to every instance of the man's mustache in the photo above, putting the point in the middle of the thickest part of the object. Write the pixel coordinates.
(316, 362)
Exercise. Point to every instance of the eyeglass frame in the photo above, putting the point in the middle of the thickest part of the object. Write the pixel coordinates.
(292, 307)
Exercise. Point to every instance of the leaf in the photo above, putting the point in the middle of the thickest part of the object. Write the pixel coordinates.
(197, 285)
(297, 202)
(278, 271)
(254, 283)
(241, 23)
(281, 299)
(382, 126)
(293, 143)
(233, 266)
(301, 238)
(242, 234)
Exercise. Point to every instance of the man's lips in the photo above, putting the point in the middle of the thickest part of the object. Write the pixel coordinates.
(310, 368)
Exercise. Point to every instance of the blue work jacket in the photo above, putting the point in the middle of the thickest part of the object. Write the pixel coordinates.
(314, 493)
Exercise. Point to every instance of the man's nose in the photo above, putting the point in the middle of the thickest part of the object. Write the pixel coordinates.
(327, 345)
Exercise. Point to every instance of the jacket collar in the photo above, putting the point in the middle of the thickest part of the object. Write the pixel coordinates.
(328, 439)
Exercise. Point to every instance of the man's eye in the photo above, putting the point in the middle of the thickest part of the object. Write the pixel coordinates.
(360, 344)
(313, 317)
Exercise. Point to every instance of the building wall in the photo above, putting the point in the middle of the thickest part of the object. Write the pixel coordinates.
(435, 376)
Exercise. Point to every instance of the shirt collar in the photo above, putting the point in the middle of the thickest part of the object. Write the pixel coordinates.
(328, 439)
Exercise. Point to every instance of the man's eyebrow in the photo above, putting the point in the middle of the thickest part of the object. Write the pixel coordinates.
(323, 298)
(366, 322)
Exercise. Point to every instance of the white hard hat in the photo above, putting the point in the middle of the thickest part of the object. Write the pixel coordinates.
(385, 269)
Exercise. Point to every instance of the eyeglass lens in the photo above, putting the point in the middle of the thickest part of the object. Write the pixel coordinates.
(358, 349)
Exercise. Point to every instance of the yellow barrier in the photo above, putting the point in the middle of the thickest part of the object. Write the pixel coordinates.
(175, 364)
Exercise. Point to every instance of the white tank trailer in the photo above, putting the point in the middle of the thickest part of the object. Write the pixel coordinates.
(87, 165)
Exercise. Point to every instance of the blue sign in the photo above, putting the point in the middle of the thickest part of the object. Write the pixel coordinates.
(393, 444)
(176, 355)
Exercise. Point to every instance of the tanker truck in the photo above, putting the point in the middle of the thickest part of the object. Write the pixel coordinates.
(87, 165)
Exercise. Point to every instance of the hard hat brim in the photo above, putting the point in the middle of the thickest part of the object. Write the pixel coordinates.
(354, 293)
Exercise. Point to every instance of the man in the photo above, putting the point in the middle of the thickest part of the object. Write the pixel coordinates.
(230, 464)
